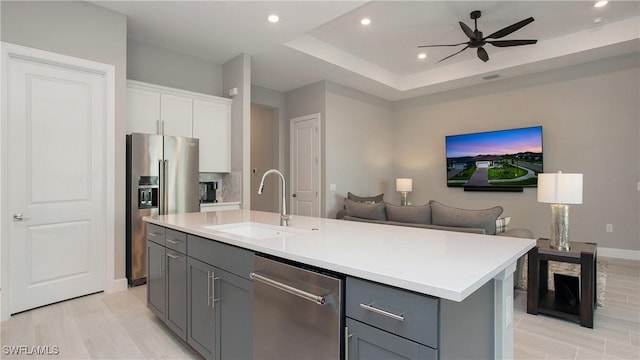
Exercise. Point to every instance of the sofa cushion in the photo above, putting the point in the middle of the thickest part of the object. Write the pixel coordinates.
(502, 223)
(409, 214)
(365, 210)
(450, 216)
(365, 199)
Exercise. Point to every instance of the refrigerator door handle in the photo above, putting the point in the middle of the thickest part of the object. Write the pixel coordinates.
(165, 209)
(161, 186)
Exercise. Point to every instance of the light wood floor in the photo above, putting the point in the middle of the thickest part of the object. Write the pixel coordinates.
(119, 326)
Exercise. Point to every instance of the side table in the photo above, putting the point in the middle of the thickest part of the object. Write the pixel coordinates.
(541, 300)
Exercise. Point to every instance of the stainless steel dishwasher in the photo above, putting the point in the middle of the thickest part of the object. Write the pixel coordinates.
(297, 312)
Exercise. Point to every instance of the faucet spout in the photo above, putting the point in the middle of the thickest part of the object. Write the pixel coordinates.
(284, 218)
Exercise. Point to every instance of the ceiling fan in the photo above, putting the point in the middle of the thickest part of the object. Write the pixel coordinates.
(476, 41)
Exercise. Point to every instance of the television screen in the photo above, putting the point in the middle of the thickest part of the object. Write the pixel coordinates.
(495, 159)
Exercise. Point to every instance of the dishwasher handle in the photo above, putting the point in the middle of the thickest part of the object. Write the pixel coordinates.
(317, 299)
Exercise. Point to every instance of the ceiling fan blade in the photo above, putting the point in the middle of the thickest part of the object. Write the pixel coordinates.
(456, 53)
(482, 54)
(509, 29)
(467, 30)
(424, 46)
(505, 43)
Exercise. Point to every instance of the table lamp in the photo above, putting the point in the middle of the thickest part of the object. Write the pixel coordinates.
(560, 190)
(404, 186)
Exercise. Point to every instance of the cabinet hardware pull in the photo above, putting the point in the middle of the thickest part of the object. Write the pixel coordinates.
(153, 234)
(173, 256)
(382, 312)
(213, 291)
(209, 277)
(347, 338)
(176, 241)
(319, 300)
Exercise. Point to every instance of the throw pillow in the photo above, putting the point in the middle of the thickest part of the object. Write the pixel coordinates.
(363, 210)
(502, 224)
(409, 214)
(450, 216)
(362, 199)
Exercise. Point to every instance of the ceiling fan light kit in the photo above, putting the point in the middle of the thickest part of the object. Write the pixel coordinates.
(477, 40)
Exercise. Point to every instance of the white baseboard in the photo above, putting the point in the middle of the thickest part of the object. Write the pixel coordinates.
(619, 253)
(116, 285)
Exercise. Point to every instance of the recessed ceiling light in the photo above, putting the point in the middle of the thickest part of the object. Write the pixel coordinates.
(365, 21)
(422, 56)
(597, 20)
(273, 18)
(600, 3)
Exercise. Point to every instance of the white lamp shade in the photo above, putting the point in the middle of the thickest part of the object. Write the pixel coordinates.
(403, 184)
(560, 188)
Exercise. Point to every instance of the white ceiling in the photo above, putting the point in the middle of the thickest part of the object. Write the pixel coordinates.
(318, 40)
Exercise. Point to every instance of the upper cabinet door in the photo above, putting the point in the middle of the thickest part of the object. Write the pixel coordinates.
(212, 125)
(176, 113)
(143, 111)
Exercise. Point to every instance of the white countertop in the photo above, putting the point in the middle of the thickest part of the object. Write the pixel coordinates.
(445, 264)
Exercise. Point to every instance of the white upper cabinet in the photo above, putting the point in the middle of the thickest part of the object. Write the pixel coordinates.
(176, 114)
(143, 111)
(212, 125)
(154, 109)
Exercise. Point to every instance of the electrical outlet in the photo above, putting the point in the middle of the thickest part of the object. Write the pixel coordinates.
(609, 227)
(332, 187)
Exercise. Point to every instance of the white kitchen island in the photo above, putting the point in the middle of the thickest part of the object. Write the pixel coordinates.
(442, 264)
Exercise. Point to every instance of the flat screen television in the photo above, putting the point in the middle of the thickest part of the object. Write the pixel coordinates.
(506, 160)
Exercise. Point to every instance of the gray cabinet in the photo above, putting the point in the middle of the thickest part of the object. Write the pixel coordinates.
(366, 342)
(167, 277)
(220, 302)
(202, 333)
(388, 323)
(176, 273)
(384, 322)
(156, 280)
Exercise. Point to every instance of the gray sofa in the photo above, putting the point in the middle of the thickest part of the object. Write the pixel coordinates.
(433, 215)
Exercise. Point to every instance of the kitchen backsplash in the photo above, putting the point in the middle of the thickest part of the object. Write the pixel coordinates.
(229, 185)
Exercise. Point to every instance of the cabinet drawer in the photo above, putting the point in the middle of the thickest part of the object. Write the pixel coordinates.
(416, 316)
(155, 233)
(176, 240)
(226, 257)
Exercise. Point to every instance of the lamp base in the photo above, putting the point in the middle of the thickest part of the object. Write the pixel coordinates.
(403, 201)
(559, 237)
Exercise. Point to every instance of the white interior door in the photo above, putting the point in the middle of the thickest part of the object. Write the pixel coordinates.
(305, 165)
(56, 156)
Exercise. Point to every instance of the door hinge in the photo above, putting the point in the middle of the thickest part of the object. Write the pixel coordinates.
(316, 161)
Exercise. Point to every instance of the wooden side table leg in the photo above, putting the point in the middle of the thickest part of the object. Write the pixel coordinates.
(533, 281)
(587, 283)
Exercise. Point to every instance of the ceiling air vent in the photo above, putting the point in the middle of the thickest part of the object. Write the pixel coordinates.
(491, 77)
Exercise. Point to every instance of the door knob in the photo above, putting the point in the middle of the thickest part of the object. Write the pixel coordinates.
(294, 195)
(17, 217)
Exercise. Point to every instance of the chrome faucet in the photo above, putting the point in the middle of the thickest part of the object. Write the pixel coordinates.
(284, 218)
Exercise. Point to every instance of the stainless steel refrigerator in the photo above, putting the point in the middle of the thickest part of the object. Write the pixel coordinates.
(162, 178)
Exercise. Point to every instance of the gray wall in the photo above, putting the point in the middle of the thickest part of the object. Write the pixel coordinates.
(85, 31)
(264, 156)
(591, 124)
(236, 73)
(358, 146)
(159, 66)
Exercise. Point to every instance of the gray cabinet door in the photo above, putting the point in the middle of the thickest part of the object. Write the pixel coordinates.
(202, 330)
(368, 343)
(176, 315)
(156, 280)
(235, 298)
